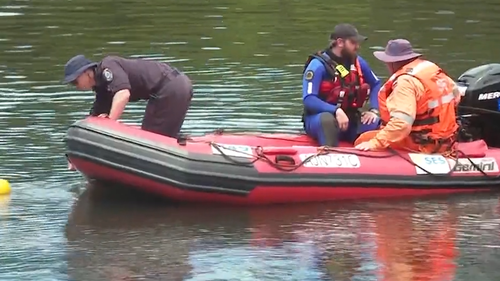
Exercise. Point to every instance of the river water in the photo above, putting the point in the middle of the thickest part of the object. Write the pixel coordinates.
(245, 58)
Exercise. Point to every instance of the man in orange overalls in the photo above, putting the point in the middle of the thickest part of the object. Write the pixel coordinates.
(417, 104)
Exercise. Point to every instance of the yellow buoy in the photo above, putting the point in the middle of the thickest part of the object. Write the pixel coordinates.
(4, 187)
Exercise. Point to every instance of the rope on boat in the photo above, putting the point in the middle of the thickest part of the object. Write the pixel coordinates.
(259, 155)
(324, 150)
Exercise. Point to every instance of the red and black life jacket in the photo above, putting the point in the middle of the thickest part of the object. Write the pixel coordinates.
(345, 87)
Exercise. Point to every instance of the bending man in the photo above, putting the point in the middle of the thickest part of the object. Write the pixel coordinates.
(116, 81)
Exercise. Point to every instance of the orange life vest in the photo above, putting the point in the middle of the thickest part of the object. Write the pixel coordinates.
(344, 87)
(435, 122)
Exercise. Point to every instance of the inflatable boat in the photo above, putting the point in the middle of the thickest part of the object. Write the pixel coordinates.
(268, 168)
(253, 168)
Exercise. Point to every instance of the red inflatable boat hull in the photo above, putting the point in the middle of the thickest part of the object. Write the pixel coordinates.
(250, 169)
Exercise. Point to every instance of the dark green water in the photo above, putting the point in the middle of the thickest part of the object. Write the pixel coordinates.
(245, 58)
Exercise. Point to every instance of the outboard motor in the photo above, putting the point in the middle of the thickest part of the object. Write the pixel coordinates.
(479, 108)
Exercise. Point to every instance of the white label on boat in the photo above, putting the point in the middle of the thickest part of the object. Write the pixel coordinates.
(232, 150)
(464, 166)
(435, 164)
(331, 160)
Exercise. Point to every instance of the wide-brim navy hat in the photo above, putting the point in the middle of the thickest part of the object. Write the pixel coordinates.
(75, 67)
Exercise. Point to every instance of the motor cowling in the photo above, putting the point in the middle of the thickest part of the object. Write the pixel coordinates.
(482, 86)
(479, 108)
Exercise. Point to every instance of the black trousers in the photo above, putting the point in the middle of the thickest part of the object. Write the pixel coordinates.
(166, 110)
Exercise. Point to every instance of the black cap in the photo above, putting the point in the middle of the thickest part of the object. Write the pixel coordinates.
(347, 31)
(75, 67)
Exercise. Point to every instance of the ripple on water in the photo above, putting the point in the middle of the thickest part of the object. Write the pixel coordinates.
(9, 14)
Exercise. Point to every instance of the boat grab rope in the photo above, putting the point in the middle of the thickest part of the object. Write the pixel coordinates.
(260, 155)
(325, 150)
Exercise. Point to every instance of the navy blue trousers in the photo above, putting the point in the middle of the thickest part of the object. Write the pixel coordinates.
(319, 125)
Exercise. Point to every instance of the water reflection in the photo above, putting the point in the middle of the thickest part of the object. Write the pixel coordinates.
(382, 241)
(420, 246)
(109, 240)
